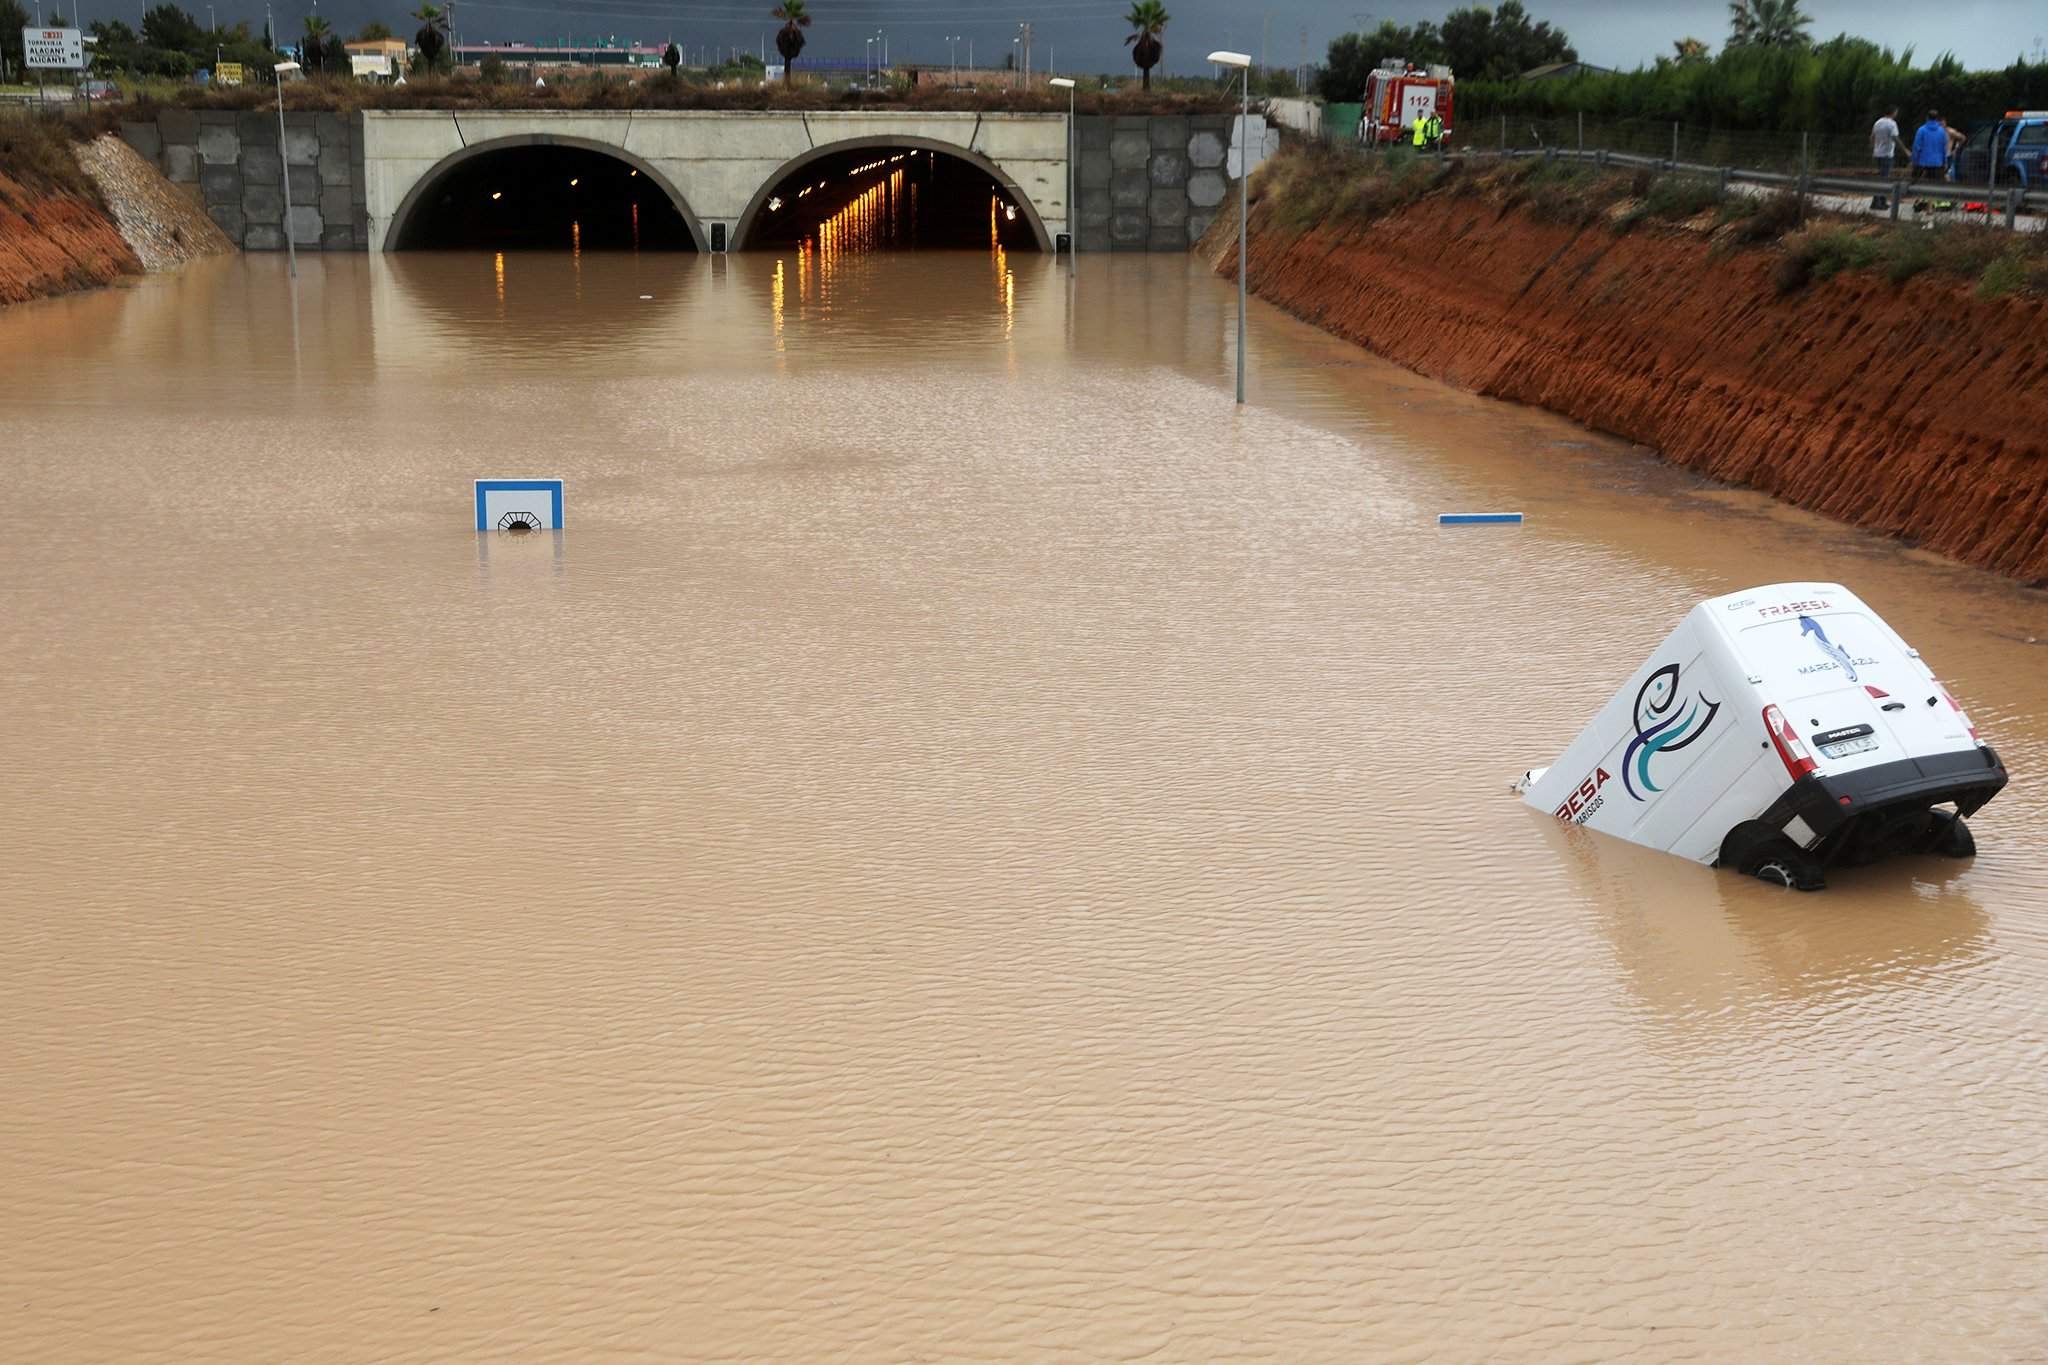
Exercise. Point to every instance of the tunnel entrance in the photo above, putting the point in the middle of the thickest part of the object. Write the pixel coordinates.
(890, 199)
(544, 197)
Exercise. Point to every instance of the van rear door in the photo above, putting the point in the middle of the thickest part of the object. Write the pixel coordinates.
(1852, 689)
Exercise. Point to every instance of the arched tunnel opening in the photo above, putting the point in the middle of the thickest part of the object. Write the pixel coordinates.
(891, 199)
(545, 197)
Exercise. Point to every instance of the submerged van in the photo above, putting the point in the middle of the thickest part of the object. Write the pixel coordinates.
(1778, 731)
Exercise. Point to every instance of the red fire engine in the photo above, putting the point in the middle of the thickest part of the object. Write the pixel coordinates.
(1395, 94)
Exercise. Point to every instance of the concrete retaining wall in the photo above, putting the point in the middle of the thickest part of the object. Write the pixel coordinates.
(231, 165)
(1150, 183)
(1144, 183)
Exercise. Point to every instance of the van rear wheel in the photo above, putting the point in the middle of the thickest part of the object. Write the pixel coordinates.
(1952, 838)
(1786, 864)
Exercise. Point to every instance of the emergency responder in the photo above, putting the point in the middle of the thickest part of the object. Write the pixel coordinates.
(1432, 129)
(1421, 130)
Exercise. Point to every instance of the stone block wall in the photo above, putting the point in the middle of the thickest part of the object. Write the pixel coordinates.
(1144, 182)
(231, 164)
(1149, 183)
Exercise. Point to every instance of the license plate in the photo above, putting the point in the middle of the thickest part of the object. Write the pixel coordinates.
(1850, 746)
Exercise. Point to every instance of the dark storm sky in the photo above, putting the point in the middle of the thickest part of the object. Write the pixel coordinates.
(1088, 34)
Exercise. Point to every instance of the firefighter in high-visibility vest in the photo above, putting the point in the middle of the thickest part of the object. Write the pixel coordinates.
(1432, 129)
(1421, 129)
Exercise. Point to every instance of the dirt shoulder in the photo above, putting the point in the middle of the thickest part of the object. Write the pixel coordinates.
(81, 215)
(1890, 381)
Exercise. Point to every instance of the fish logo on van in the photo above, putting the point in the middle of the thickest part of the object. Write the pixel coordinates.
(1809, 626)
(1662, 727)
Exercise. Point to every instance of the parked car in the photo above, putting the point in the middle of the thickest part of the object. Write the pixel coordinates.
(97, 91)
(2005, 151)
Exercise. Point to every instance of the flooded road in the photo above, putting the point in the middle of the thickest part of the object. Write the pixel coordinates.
(968, 847)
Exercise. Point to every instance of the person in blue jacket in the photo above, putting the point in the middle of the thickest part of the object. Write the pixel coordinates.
(1930, 148)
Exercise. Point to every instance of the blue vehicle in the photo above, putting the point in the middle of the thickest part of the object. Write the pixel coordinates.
(2008, 151)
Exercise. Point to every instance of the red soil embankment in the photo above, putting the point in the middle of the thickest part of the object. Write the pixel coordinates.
(54, 240)
(1918, 410)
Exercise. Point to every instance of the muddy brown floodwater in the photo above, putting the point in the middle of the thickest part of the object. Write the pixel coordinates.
(968, 847)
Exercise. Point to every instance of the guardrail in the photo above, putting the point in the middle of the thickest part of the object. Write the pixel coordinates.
(2011, 200)
(2021, 209)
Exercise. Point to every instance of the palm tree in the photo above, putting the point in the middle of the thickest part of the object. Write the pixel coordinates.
(313, 48)
(1767, 23)
(429, 39)
(789, 39)
(1691, 50)
(1147, 20)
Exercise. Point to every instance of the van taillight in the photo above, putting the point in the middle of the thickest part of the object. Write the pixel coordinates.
(1791, 749)
(1961, 715)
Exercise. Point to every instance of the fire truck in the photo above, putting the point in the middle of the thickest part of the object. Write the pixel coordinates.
(1396, 93)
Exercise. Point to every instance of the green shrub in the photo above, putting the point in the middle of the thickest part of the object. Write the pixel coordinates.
(2021, 268)
(1906, 254)
(2000, 263)
(1831, 250)
(1774, 216)
(1572, 193)
(37, 152)
(1675, 198)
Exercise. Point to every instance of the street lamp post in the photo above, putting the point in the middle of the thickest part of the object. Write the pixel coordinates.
(284, 166)
(1243, 63)
(1073, 217)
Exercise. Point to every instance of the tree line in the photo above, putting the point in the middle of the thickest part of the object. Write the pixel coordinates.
(173, 43)
(1477, 43)
(1840, 86)
(1770, 75)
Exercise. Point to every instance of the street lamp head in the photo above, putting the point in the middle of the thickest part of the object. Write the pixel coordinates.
(1237, 59)
(1062, 82)
(283, 68)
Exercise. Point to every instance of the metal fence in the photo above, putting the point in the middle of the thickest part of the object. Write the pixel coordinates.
(1835, 172)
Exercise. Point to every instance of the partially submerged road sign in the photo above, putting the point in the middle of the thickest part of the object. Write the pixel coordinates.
(53, 49)
(518, 504)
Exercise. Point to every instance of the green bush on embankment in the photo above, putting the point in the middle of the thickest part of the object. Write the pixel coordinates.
(2000, 263)
(1308, 187)
(37, 153)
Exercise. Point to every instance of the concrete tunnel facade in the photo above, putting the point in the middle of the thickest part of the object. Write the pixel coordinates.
(716, 166)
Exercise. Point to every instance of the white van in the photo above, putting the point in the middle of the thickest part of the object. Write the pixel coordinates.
(1778, 731)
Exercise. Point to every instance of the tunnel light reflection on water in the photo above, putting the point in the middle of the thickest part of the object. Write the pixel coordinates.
(881, 215)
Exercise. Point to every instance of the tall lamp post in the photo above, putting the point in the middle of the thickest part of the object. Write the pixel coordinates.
(1243, 62)
(1073, 217)
(284, 166)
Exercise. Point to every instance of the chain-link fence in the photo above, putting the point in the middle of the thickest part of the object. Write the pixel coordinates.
(1820, 154)
(1835, 171)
